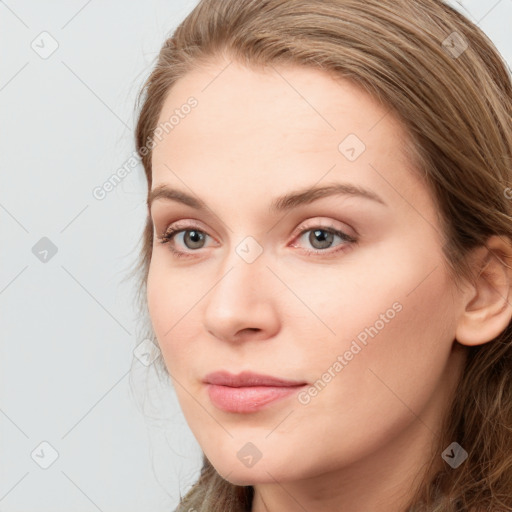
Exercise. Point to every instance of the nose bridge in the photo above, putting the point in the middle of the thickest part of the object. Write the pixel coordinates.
(243, 271)
(240, 298)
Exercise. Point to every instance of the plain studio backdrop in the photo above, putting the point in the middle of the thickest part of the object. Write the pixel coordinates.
(72, 437)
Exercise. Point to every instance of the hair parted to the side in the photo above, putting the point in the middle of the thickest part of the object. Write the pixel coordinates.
(458, 113)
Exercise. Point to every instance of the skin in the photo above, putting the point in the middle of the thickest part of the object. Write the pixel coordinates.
(360, 442)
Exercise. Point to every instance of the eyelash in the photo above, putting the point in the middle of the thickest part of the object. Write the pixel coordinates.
(168, 236)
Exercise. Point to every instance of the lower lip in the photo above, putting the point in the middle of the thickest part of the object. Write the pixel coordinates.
(247, 399)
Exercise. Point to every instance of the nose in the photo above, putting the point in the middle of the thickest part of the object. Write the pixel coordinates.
(241, 305)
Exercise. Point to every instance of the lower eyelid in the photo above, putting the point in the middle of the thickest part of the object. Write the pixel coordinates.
(347, 241)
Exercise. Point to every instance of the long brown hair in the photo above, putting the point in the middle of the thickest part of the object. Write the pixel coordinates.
(445, 80)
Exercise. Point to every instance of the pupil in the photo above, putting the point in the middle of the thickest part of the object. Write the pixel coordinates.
(324, 238)
(195, 237)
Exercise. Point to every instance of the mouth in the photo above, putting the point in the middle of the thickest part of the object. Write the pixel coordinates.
(247, 392)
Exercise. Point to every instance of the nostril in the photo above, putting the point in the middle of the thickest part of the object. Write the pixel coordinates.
(246, 332)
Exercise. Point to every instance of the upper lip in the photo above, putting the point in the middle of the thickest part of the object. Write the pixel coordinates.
(246, 379)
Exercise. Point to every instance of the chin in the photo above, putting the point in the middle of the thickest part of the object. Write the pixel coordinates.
(262, 472)
(248, 477)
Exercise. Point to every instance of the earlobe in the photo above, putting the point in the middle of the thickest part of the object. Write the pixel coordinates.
(488, 307)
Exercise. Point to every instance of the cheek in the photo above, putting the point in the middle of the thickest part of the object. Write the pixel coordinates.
(395, 297)
(158, 300)
(173, 301)
(378, 373)
(394, 333)
(390, 307)
(163, 303)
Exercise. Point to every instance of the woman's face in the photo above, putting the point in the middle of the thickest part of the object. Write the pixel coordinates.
(315, 257)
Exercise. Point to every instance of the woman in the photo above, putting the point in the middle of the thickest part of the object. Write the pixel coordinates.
(327, 254)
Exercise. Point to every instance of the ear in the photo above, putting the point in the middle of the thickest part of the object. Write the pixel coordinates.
(488, 308)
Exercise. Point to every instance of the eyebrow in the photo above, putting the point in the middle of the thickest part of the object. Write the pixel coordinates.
(280, 204)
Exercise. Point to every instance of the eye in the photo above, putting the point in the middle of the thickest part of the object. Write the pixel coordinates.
(321, 238)
(192, 238)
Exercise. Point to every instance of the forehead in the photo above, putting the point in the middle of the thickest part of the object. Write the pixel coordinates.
(279, 100)
(276, 124)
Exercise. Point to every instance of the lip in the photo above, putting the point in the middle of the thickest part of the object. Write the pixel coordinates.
(247, 392)
(247, 378)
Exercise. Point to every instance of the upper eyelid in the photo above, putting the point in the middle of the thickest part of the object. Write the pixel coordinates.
(180, 226)
(183, 226)
(189, 225)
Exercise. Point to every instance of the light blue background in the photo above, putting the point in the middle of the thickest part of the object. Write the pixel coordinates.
(68, 326)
